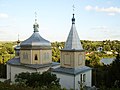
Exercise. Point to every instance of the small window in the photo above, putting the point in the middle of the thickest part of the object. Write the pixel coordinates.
(84, 77)
(36, 57)
(81, 78)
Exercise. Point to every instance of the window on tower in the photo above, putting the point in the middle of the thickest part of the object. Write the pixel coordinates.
(84, 77)
(81, 78)
(36, 57)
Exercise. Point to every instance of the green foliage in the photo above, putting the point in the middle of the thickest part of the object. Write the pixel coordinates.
(8, 86)
(9, 48)
(93, 60)
(89, 46)
(114, 71)
(6, 48)
(107, 77)
(107, 45)
(6, 51)
(56, 46)
(44, 80)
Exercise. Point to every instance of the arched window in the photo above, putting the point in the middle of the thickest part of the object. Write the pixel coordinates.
(36, 57)
(81, 78)
(84, 77)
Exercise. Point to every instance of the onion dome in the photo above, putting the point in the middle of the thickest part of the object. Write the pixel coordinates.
(35, 40)
(17, 48)
(18, 44)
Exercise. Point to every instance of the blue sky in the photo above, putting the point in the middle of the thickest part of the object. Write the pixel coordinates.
(95, 19)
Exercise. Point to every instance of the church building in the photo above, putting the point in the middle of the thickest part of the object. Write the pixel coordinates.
(32, 55)
(73, 73)
(35, 55)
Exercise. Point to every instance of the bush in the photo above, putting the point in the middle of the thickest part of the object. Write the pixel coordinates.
(45, 80)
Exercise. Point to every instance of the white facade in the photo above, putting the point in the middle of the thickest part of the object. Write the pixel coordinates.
(72, 72)
(13, 70)
(66, 81)
(73, 81)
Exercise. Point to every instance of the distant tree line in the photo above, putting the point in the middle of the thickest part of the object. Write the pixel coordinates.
(88, 46)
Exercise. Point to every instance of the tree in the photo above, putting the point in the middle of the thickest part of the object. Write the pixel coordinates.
(106, 48)
(93, 60)
(45, 80)
(7, 86)
(114, 72)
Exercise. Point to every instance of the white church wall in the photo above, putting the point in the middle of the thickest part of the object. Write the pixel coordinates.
(88, 79)
(17, 69)
(8, 71)
(13, 70)
(73, 81)
(66, 81)
(77, 86)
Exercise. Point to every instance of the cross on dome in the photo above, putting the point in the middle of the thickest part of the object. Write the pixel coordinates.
(36, 25)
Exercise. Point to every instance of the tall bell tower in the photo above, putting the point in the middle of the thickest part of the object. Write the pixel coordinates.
(72, 55)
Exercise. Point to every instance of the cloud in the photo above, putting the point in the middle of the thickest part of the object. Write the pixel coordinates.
(110, 10)
(3, 15)
(105, 28)
(88, 8)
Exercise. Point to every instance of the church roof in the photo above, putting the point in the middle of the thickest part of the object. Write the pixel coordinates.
(71, 71)
(16, 62)
(73, 41)
(36, 39)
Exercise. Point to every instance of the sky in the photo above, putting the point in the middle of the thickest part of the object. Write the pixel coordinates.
(94, 19)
